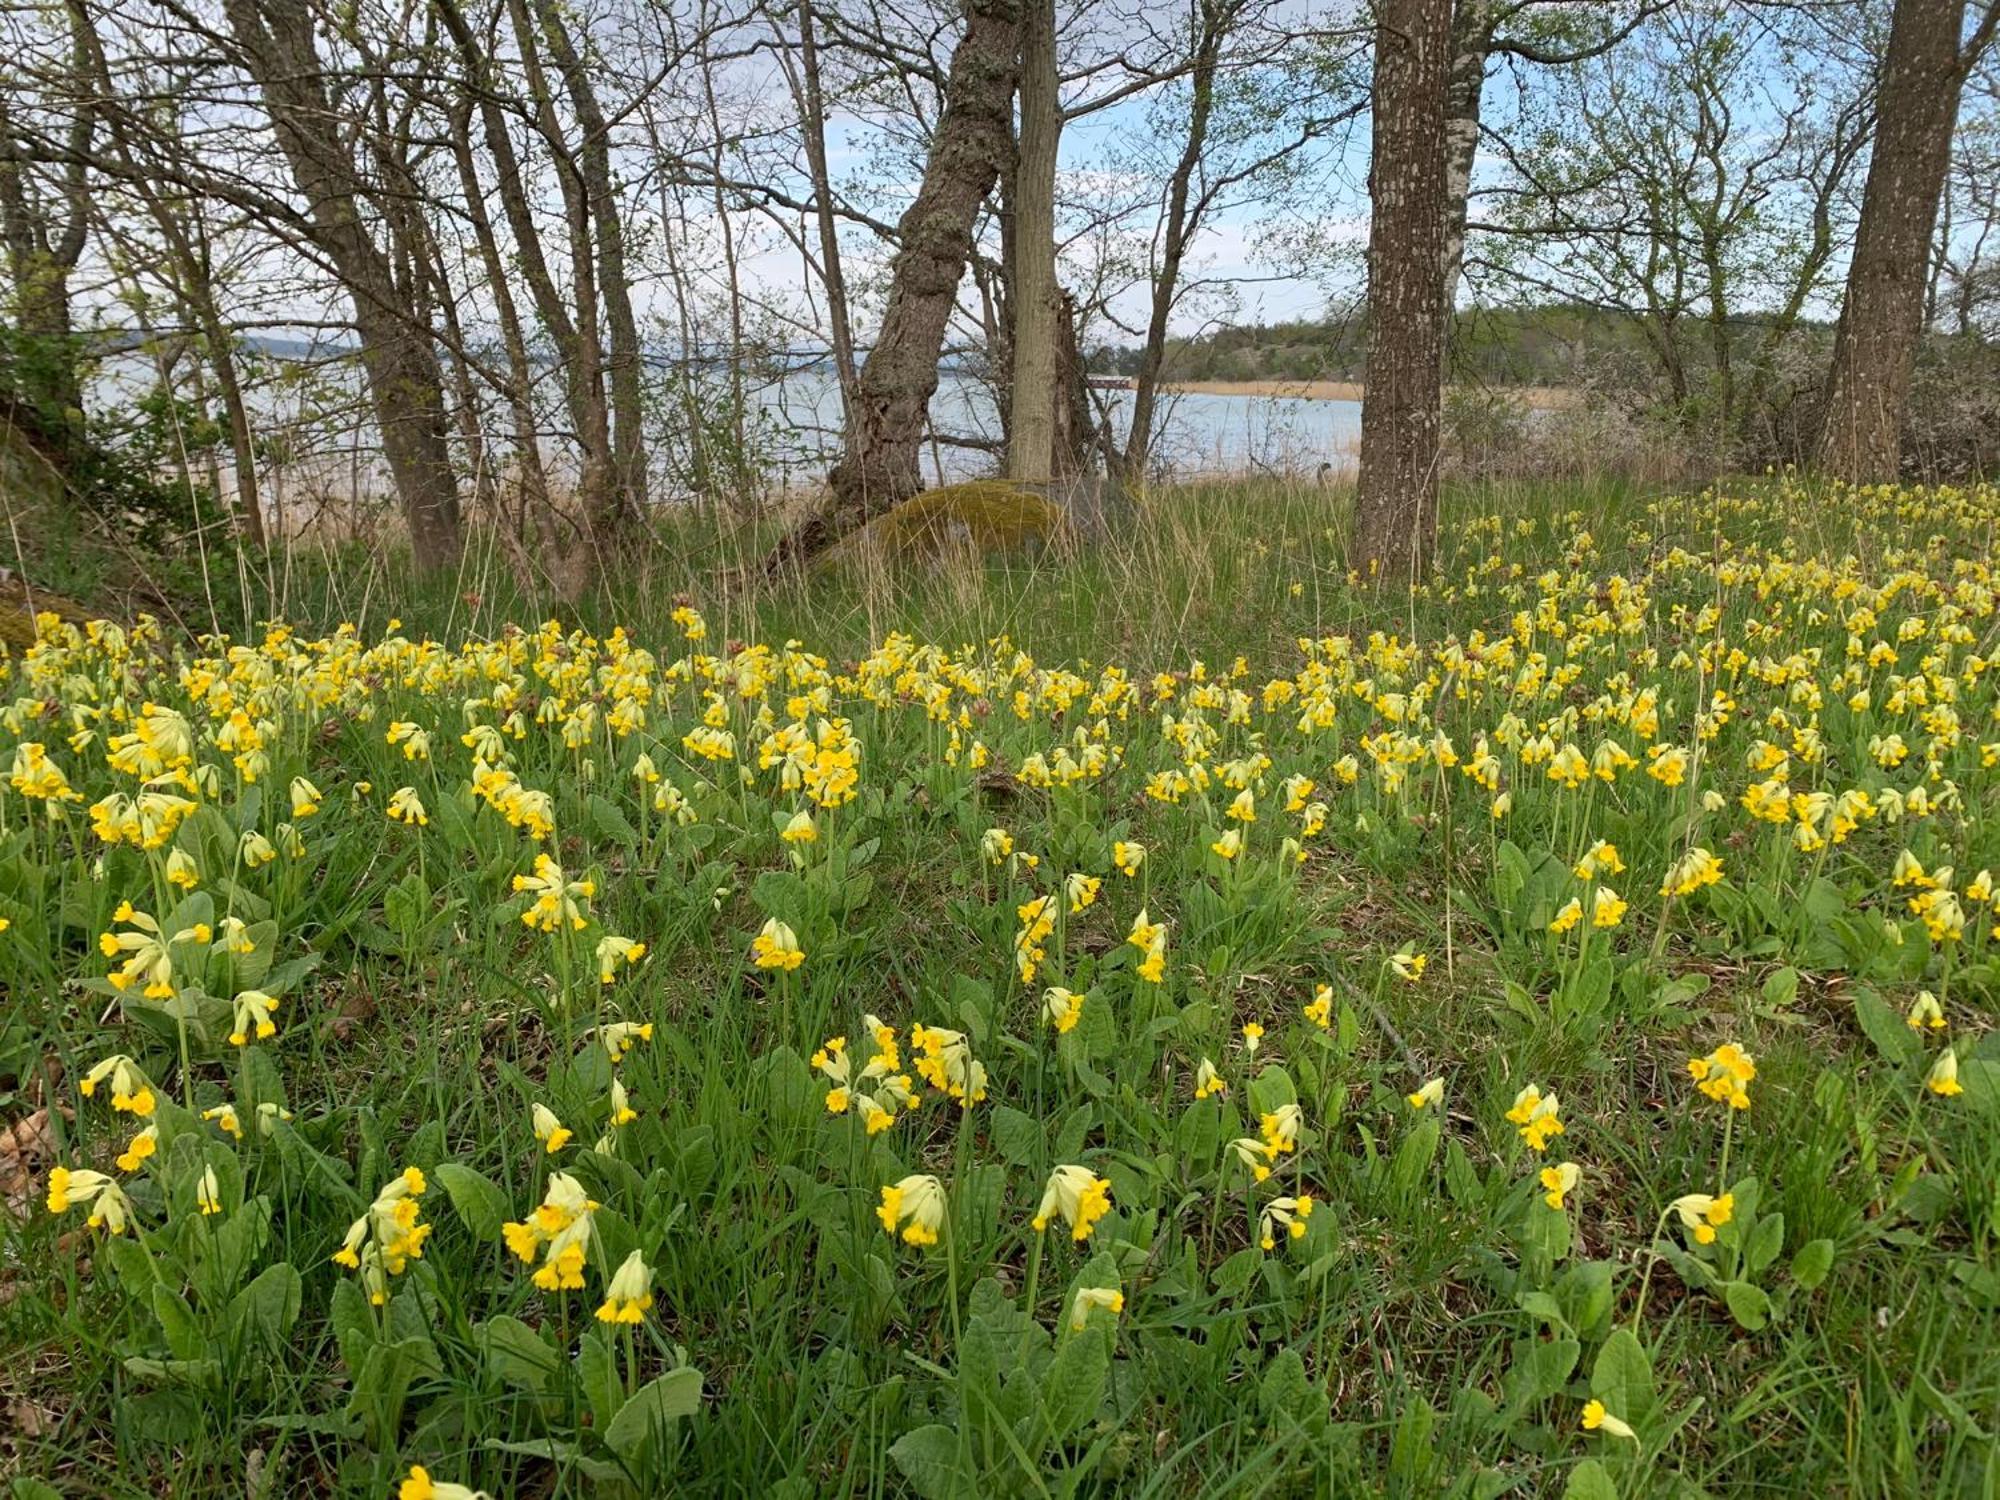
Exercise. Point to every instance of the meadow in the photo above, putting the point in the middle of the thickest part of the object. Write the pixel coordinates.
(1163, 1019)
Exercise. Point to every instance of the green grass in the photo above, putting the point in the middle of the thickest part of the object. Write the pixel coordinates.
(1436, 1330)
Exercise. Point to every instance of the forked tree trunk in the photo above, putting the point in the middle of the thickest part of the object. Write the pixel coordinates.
(973, 140)
(1395, 503)
(1032, 392)
(1882, 317)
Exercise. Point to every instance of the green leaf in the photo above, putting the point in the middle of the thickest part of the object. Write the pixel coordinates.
(928, 1457)
(607, 821)
(1748, 1304)
(1622, 1378)
(1016, 1136)
(516, 1355)
(1074, 1385)
(649, 1416)
(1589, 1481)
(477, 1199)
(177, 1323)
(1541, 1369)
(268, 1306)
(1811, 1264)
(1766, 1240)
(1887, 1030)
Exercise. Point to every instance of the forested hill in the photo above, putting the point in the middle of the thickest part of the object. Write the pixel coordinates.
(1554, 345)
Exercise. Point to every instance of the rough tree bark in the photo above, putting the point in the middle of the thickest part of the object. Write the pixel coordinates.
(398, 358)
(1032, 393)
(44, 240)
(1395, 502)
(1882, 316)
(973, 140)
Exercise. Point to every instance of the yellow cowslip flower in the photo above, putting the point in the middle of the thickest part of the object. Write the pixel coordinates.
(1207, 1081)
(1319, 1009)
(776, 946)
(1229, 845)
(1145, 931)
(619, 1037)
(1568, 767)
(917, 1204)
(996, 844)
(35, 775)
(1558, 1182)
(1089, 1297)
(1725, 1074)
(253, 1012)
(305, 798)
(621, 1113)
(831, 1059)
(108, 1207)
(1080, 890)
(181, 871)
(1289, 1214)
(550, 1131)
(255, 850)
(131, 1092)
(1243, 807)
(1691, 872)
(946, 1063)
(406, 807)
(1079, 1195)
(1429, 1095)
(1943, 1077)
(1567, 916)
(208, 1192)
(1701, 1214)
(1925, 1011)
(1538, 1116)
(1280, 1128)
(146, 954)
(1596, 1418)
(224, 1115)
(1408, 963)
(553, 1232)
(141, 1146)
(1600, 858)
(1253, 1033)
(559, 901)
(1128, 856)
(420, 1486)
(1607, 907)
(630, 1293)
(1255, 1154)
(1062, 1008)
(613, 951)
(414, 739)
(800, 829)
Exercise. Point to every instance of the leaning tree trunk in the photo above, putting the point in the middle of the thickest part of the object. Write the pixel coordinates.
(1032, 392)
(1881, 320)
(972, 142)
(398, 359)
(1395, 503)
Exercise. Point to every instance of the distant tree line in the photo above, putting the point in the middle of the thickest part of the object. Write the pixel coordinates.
(550, 250)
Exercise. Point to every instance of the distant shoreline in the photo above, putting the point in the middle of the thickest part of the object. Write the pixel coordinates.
(1535, 397)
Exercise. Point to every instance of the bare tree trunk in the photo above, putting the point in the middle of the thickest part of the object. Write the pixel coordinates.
(623, 367)
(405, 384)
(532, 477)
(1174, 239)
(1881, 320)
(840, 333)
(1471, 42)
(1395, 503)
(1032, 392)
(972, 142)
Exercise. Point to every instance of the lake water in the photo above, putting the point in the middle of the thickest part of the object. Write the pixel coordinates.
(1200, 433)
